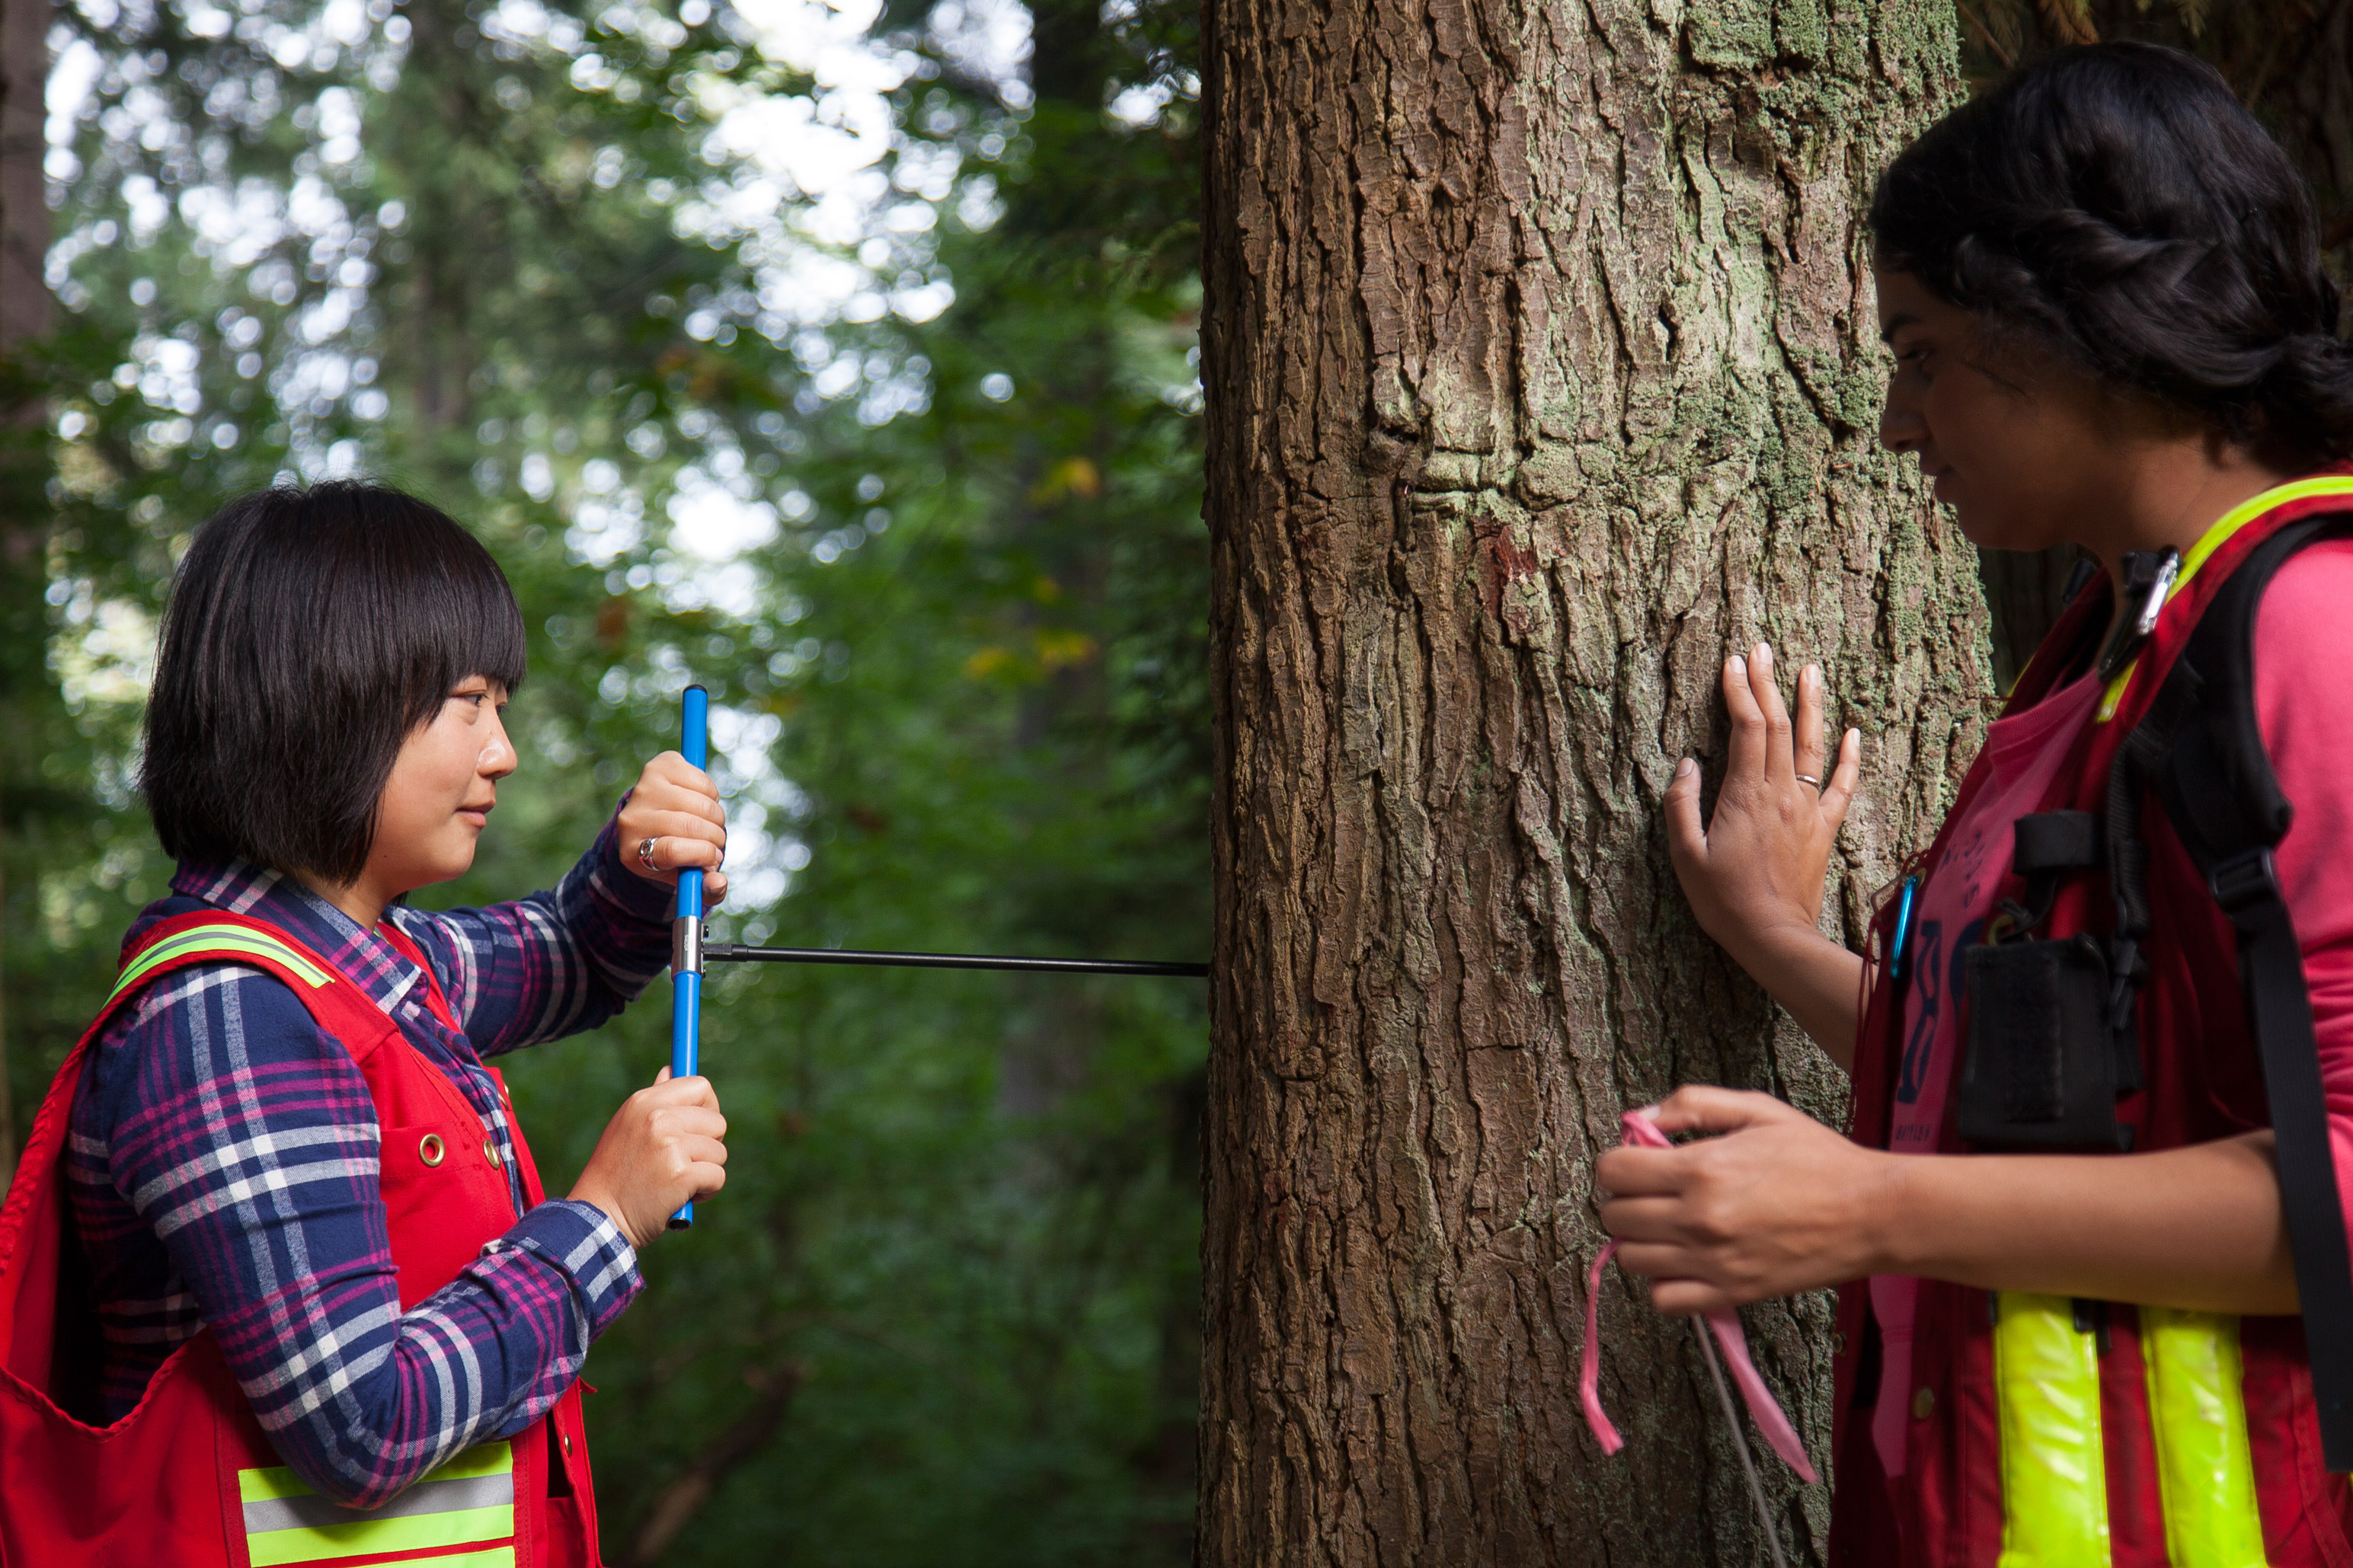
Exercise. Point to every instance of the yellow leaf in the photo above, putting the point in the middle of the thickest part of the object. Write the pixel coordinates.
(1070, 477)
(986, 662)
(1059, 650)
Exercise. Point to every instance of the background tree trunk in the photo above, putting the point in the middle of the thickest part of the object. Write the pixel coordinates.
(1542, 368)
(25, 309)
(23, 211)
(2024, 592)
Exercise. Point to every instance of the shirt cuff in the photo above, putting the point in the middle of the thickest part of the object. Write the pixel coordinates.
(582, 1243)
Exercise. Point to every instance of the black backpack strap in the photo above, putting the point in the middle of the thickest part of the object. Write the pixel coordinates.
(2201, 749)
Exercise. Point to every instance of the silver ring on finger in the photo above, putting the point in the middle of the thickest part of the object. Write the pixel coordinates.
(646, 853)
(1810, 779)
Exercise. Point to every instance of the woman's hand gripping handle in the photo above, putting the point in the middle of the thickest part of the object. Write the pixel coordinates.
(664, 1148)
(674, 820)
(1754, 871)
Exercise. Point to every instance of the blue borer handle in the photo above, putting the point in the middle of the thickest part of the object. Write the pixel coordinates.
(686, 928)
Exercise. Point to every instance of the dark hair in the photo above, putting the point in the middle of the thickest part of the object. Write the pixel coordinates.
(309, 633)
(2118, 204)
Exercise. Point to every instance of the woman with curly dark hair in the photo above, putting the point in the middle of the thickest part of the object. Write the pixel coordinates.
(2097, 1306)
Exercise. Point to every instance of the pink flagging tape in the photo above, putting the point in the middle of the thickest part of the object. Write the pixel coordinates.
(1762, 1407)
(1588, 1380)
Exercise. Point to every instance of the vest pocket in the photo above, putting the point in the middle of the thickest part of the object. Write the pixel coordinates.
(429, 1173)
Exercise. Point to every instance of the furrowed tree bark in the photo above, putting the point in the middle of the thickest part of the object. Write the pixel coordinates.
(1541, 371)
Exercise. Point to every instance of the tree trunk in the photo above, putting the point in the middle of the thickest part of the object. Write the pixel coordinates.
(1542, 368)
(2024, 592)
(24, 316)
(24, 208)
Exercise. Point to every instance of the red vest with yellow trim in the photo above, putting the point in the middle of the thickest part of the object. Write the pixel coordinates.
(2202, 1080)
(188, 1478)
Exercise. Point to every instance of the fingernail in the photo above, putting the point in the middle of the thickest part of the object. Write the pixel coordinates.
(1764, 653)
(1739, 665)
(1684, 768)
(1648, 1111)
(1813, 676)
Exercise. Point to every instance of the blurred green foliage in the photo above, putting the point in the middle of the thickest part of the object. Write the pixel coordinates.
(571, 275)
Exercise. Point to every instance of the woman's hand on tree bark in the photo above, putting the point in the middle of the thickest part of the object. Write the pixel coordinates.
(1754, 872)
(664, 1149)
(1777, 1204)
(676, 804)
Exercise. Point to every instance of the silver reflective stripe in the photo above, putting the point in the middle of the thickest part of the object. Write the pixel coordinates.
(425, 1496)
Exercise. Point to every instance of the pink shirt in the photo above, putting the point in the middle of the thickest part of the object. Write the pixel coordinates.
(2304, 652)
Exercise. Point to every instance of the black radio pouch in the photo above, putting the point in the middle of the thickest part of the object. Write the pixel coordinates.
(2044, 1062)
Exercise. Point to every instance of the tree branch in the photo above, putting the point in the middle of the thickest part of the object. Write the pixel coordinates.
(677, 1503)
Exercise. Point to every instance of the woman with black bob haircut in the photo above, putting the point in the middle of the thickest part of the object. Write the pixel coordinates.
(2097, 1307)
(312, 1303)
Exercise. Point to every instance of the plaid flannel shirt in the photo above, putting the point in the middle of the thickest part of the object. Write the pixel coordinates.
(223, 1170)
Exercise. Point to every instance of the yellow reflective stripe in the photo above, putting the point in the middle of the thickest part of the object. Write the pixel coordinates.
(2114, 697)
(2055, 1483)
(271, 1547)
(410, 1522)
(227, 941)
(2213, 539)
(2205, 1469)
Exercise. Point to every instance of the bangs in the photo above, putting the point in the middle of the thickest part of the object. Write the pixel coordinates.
(459, 621)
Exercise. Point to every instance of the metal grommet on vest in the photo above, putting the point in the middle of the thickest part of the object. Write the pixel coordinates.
(490, 1152)
(429, 1149)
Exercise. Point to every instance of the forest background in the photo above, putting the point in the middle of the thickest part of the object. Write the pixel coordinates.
(839, 357)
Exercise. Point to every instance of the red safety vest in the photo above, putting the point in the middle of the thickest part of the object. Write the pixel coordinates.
(188, 1478)
(2052, 1433)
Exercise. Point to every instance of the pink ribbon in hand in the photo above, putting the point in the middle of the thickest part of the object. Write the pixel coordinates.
(1767, 1414)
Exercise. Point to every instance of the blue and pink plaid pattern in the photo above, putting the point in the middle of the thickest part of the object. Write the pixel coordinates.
(223, 1166)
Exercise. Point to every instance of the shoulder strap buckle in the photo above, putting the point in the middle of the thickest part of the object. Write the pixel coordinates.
(2244, 880)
